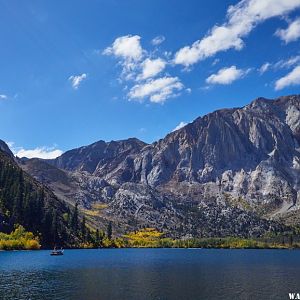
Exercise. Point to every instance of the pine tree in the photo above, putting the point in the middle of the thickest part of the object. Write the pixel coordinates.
(74, 219)
(109, 230)
(54, 232)
(83, 229)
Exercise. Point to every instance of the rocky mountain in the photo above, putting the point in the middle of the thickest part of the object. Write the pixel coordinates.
(100, 159)
(231, 172)
(251, 152)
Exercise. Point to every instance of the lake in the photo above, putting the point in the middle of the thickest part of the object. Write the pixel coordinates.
(150, 274)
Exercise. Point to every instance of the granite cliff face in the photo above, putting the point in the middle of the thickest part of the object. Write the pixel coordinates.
(251, 152)
(231, 172)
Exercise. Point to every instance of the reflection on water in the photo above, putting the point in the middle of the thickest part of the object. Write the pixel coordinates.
(150, 274)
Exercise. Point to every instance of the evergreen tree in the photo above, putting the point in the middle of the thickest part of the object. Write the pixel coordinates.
(99, 236)
(54, 232)
(109, 230)
(83, 229)
(74, 219)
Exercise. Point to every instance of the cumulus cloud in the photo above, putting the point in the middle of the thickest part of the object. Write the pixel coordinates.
(151, 67)
(127, 47)
(290, 34)
(39, 152)
(179, 126)
(226, 75)
(140, 67)
(241, 19)
(158, 40)
(292, 78)
(130, 52)
(3, 97)
(157, 90)
(264, 68)
(77, 80)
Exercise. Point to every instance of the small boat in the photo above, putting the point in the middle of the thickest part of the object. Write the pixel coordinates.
(56, 252)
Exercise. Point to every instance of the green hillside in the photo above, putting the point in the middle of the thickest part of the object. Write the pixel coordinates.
(24, 201)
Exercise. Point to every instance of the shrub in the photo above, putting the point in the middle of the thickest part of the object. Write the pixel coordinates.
(19, 239)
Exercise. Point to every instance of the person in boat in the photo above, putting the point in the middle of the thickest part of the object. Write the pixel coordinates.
(55, 251)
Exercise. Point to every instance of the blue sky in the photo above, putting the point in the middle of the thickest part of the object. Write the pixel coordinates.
(74, 72)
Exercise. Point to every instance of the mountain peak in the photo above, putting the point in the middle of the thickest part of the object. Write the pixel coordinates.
(93, 157)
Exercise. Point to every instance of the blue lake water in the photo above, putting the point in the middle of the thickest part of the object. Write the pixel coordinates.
(150, 274)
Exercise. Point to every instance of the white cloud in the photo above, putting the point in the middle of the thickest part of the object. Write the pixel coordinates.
(287, 63)
(179, 126)
(158, 90)
(264, 68)
(3, 97)
(241, 19)
(141, 67)
(290, 34)
(127, 47)
(130, 52)
(76, 80)
(39, 152)
(151, 67)
(292, 78)
(226, 75)
(158, 40)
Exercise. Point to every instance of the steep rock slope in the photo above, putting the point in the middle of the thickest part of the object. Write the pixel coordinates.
(222, 174)
(101, 159)
(251, 152)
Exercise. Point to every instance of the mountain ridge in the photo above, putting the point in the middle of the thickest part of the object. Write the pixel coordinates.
(249, 153)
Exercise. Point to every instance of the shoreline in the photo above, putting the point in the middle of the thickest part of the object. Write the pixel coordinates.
(152, 248)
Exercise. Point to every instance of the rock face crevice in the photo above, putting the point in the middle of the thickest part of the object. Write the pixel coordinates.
(241, 161)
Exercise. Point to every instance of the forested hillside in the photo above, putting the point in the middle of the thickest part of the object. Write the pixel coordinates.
(28, 203)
